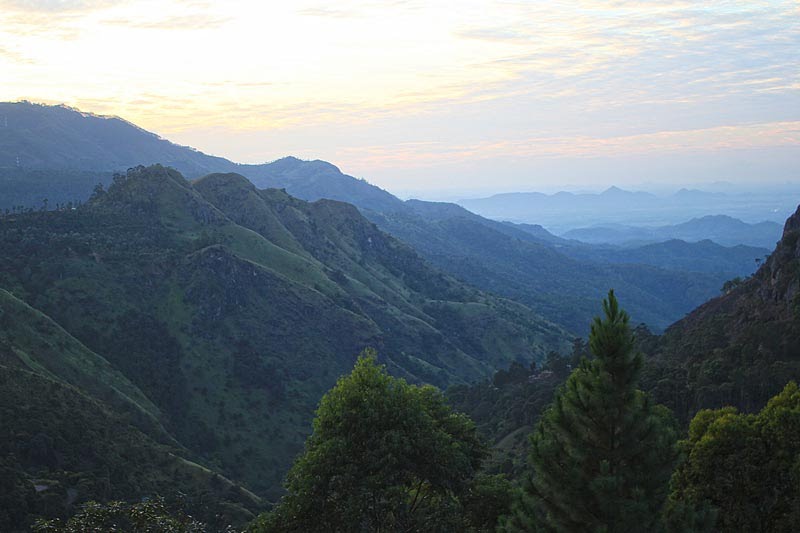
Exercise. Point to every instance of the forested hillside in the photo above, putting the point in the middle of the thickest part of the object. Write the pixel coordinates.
(66, 152)
(215, 315)
(739, 349)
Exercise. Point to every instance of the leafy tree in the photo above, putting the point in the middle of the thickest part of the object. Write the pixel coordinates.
(384, 456)
(602, 454)
(488, 498)
(745, 466)
(144, 517)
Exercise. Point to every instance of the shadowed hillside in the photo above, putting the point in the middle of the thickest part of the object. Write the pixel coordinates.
(227, 311)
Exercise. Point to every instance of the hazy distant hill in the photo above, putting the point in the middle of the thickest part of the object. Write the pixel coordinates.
(34, 136)
(721, 229)
(312, 180)
(564, 211)
(60, 153)
(703, 256)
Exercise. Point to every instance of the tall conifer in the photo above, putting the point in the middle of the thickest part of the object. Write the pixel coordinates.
(602, 454)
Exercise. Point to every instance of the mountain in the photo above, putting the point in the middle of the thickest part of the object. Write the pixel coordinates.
(533, 272)
(218, 314)
(60, 153)
(565, 211)
(721, 229)
(34, 136)
(74, 428)
(703, 256)
(510, 260)
(534, 206)
(524, 263)
(539, 232)
(314, 180)
(738, 349)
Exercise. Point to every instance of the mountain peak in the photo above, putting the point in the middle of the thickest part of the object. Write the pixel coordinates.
(614, 190)
(792, 223)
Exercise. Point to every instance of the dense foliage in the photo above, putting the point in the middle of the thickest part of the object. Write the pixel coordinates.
(745, 467)
(145, 517)
(602, 454)
(739, 349)
(59, 449)
(386, 456)
(178, 306)
(506, 407)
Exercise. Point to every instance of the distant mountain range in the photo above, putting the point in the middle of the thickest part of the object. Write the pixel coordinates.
(724, 230)
(525, 263)
(564, 211)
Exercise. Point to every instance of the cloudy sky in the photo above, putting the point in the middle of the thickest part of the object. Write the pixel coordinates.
(430, 98)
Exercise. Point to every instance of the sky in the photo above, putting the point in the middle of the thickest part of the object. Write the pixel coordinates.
(435, 98)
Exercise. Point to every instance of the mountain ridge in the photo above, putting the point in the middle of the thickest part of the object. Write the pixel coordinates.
(235, 329)
(536, 256)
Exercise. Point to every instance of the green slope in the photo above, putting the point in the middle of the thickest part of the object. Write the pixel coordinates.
(57, 144)
(60, 448)
(738, 349)
(34, 342)
(234, 309)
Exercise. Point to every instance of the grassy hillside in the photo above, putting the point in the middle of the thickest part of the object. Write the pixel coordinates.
(63, 151)
(60, 448)
(232, 309)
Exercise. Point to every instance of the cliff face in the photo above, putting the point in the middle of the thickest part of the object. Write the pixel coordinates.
(740, 348)
(780, 275)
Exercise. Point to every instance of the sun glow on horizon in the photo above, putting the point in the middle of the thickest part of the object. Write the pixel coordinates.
(397, 92)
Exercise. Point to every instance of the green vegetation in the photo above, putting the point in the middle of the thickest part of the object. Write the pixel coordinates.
(59, 448)
(602, 454)
(507, 407)
(178, 307)
(145, 517)
(739, 349)
(173, 338)
(387, 456)
(744, 468)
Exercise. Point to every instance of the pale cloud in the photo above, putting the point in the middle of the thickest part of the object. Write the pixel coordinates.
(197, 21)
(58, 5)
(411, 155)
(414, 81)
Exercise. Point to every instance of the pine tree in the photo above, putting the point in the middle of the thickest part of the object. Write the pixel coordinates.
(602, 454)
